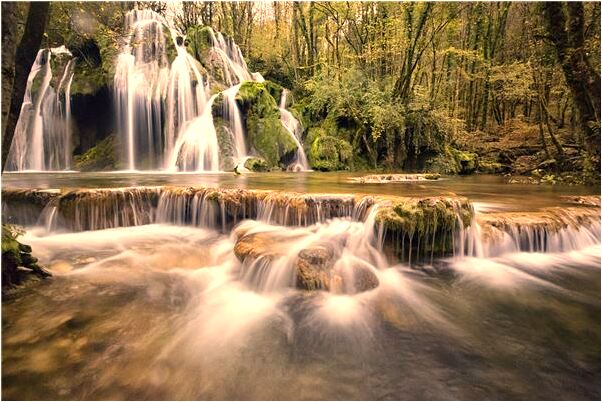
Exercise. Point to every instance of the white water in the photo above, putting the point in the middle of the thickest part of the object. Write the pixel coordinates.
(42, 140)
(147, 88)
(293, 127)
(231, 112)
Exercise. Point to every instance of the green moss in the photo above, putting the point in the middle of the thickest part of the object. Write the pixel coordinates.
(101, 157)
(429, 222)
(263, 126)
(328, 153)
(452, 161)
(489, 166)
(16, 255)
(270, 140)
(198, 41)
(467, 161)
(275, 91)
(256, 165)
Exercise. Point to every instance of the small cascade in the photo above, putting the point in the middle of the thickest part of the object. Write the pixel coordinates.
(412, 230)
(552, 230)
(42, 139)
(235, 67)
(293, 127)
(231, 112)
(339, 255)
(197, 148)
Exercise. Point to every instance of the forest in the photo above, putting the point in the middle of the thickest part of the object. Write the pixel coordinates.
(450, 88)
(300, 200)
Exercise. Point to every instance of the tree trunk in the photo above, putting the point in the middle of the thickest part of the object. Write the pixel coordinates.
(24, 59)
(581, 78)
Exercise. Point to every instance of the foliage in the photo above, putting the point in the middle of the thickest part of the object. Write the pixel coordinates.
(103, 156)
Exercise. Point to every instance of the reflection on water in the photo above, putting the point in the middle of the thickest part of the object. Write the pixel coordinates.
(481, 188)
(159, 312)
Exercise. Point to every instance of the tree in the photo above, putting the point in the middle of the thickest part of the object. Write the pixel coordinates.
(567, 35)
(25, 56)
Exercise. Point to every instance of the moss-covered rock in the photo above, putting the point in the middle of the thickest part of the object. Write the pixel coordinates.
(17, 261)
(424, 226)
(256, 164)
(101, 157)
(490, 167)
(225, 143)
(198, 41)
(452, 161)
(328, 153)
(265, 132)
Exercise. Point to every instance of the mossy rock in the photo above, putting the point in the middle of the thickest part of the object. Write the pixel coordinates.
(198, 41)
(328, 153)
(101, 157)
(17, 261)
(225, 144)
(430, 223)
(265, 132)
(490, 167)
(468, 162)
(453, 161)
(256, 164)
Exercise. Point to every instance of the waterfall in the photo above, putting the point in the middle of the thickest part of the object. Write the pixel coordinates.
(197, 148)
(235, 67)
(42, 139)
(141, 77)
(293, 127)
(232, 113)
(186, 97)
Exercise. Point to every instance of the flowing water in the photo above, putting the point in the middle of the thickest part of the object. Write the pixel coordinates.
(163, 110)
(198, 297)
(42, 139)
(293, 127)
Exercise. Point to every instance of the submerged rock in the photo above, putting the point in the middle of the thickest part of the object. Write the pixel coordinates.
(396, 178)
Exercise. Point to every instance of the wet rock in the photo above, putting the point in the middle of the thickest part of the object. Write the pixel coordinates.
(17, 262)
(256, 245)
(314, 268)
(363, 279)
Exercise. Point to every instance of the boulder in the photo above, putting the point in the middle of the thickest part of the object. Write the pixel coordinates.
(265, 132)
(315, 267)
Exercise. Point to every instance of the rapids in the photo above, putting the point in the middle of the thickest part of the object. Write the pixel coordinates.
(201, 292)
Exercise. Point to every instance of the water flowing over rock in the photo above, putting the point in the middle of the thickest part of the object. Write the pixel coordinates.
(42, 138)
(293, 127)
(411, 229)
(164, 111)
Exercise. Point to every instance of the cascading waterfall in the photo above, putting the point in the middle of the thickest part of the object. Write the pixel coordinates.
(197, 148)
(232, 113)
(488, 235)
(187, 95)
(146, 89)
(293, 127)
(140, 83)
(235, 67)
(42, 139)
